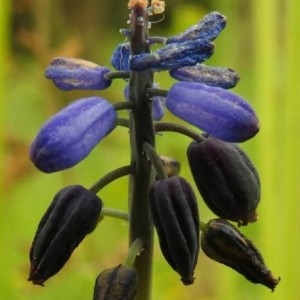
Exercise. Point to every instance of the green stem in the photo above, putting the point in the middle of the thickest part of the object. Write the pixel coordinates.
(156, 92)
(114, 213)
(141, 131)
(171, 127)
(156, 160)
(117, 74)
(163, 126)
(124, 105)
(109, 177)
(135, 250)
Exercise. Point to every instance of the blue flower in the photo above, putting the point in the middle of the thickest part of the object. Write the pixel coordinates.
(120, 57)
(215, 76)
(71, 134)
(73, 73)
(173, 56)
(208, 28)
(217, 111)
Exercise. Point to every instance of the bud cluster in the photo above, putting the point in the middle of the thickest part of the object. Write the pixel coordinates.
(159, 198)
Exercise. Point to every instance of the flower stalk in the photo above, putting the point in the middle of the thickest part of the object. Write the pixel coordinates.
(141, 131)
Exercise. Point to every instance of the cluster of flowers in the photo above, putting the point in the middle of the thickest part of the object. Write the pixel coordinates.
(225, 176)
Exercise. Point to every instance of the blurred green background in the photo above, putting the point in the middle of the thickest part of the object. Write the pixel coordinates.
(261, 42)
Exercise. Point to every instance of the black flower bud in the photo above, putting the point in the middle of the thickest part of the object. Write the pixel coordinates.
(118, 283)
(226, 178)
(73, 213)
(175, 216)
(223, 243)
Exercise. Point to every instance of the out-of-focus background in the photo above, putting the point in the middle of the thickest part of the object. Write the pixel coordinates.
(261, 42)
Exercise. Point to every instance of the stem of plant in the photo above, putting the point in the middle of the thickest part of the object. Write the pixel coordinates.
(141, 131)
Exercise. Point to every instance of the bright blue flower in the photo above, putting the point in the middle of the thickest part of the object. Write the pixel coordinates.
(73, 74)
(71, 134)
(208, 28)
(217, 111)
(215, 76)
(173, 56)
(120, 57)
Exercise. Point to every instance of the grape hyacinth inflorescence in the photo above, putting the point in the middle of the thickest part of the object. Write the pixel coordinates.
(158, 197)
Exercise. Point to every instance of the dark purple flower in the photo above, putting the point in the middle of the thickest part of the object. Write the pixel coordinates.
(223, 243)
(173, 56)
(208, 28)
(217, 111)
(118, 283)
(71, 134)
(215, 76)
(175, 215)
(73, 213)
(226, 179)
(73, 74)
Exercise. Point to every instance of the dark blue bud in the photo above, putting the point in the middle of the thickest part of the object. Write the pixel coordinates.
(217, 111)
(73, 74)
(120, 57)
(73, 213)
(158, 103)
(71, 134)
(223, 243)
(215, 76)
(118, 283)
(208, 29)
(173, 56)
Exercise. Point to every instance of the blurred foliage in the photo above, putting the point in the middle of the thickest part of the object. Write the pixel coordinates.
(260, 42)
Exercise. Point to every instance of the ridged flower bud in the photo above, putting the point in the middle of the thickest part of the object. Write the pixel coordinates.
(216, 111)
(73, 213)
(223, 243)
(175, 216)
(71, 134)
(118, 283)
(226, 178)
(173, 56)
(158, 103)
(120, 57)
(73, 74)
(208, 28)
(225, 78)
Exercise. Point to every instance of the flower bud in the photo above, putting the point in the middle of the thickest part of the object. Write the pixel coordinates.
(226, 178)
(73, 74)
(175, 216)
(219, 112)
(73, 213)
(223, 243)
(120, 57)
(173, 56)
(119, 283)
(214, 76)
(171, 165)
(208, 29)
(71, 134)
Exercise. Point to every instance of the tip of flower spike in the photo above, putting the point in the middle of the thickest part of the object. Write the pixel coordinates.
(133, 3)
